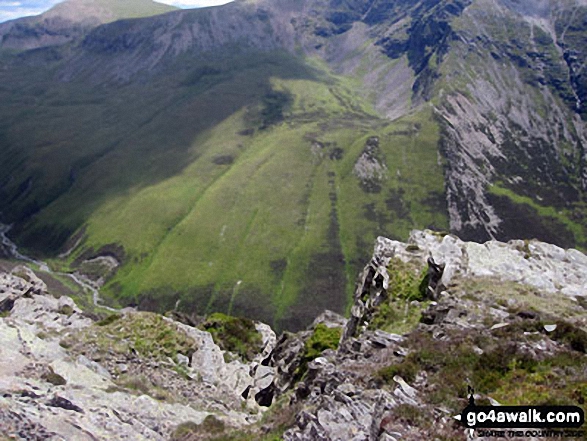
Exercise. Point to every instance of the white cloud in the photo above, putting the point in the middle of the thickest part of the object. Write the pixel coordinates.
(10, 10)
(194, 3)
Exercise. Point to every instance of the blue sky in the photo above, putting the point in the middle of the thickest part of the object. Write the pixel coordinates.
(10, 9)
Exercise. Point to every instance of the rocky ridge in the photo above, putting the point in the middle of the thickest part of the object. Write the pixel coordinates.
(70, 20)
(64, 376)
(359, 391)
(505, 319)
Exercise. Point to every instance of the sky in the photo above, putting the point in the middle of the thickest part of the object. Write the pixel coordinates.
(10, 9)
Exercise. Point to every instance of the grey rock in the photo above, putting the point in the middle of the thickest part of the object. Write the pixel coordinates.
(96, 367)
(385, 339)
(546, 267)
(182, 360)
(330, 319)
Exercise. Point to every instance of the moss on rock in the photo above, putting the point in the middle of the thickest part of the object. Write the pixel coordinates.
(234, 334)
(150, 335)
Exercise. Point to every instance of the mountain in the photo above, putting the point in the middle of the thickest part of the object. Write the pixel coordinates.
(504, 315)
(70, 20)
(240, 158)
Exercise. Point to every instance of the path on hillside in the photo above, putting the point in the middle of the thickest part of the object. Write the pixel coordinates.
(80, 279)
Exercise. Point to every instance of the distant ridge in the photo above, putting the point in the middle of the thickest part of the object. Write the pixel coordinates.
(106, 10)
(240, 159)
(70, 19)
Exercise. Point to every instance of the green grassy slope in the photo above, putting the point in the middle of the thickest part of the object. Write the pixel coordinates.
(110, 10)
(229, 185)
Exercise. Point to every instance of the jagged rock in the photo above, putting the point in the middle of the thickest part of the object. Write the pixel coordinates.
(265, 396)
(384, 339)
(36, 285)
(7, 304)
(371, 288)
(50, 391)
(330, 319)
(435, 314)
(345, 394)
(534, 263)
(182, 360)
(433, 279)
(286, 357)
(63, 403)
(269, 340)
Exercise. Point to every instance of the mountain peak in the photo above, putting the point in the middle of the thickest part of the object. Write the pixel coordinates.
(71, 19)
(106, 10)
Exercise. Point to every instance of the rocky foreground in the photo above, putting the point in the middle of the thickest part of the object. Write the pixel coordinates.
(431, 317)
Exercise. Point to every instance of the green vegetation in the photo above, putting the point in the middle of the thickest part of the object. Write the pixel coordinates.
(517, 297)
(503, 370)
(111, 10)
(226, 207)
(502, 363)
(399, 313)
(234, 334)
(109, 320)
(572, 336)
(321, 339)
(412, 415)
(210, 427)
(564, 217)
(150, 335)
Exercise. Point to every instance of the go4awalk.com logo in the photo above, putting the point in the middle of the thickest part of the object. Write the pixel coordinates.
(553, 421)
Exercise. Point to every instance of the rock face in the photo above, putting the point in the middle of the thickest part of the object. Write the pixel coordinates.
(543, 266)
(371, 290)
(359, 392)
(338, 404)
(506, 314)
(50, 390)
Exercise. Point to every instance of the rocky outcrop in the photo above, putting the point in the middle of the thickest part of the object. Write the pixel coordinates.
(64, 376)
(137, 375)
(359, 391)
(371, 290)
(370, 168)
(543, 266)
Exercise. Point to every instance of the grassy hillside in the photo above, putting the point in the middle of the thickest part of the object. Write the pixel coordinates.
(228, 185)
(109, 10)
(238, 159)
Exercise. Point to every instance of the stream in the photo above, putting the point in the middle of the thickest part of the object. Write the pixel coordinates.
(81, 280)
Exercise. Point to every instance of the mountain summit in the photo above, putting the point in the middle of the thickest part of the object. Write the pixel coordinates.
(240, 158)
(69, 19)
(106, 11)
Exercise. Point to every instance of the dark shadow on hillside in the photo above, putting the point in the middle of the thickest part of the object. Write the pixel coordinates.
(81, 144)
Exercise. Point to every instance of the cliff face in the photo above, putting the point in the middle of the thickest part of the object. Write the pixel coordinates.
(517, 130)
(508, 320)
